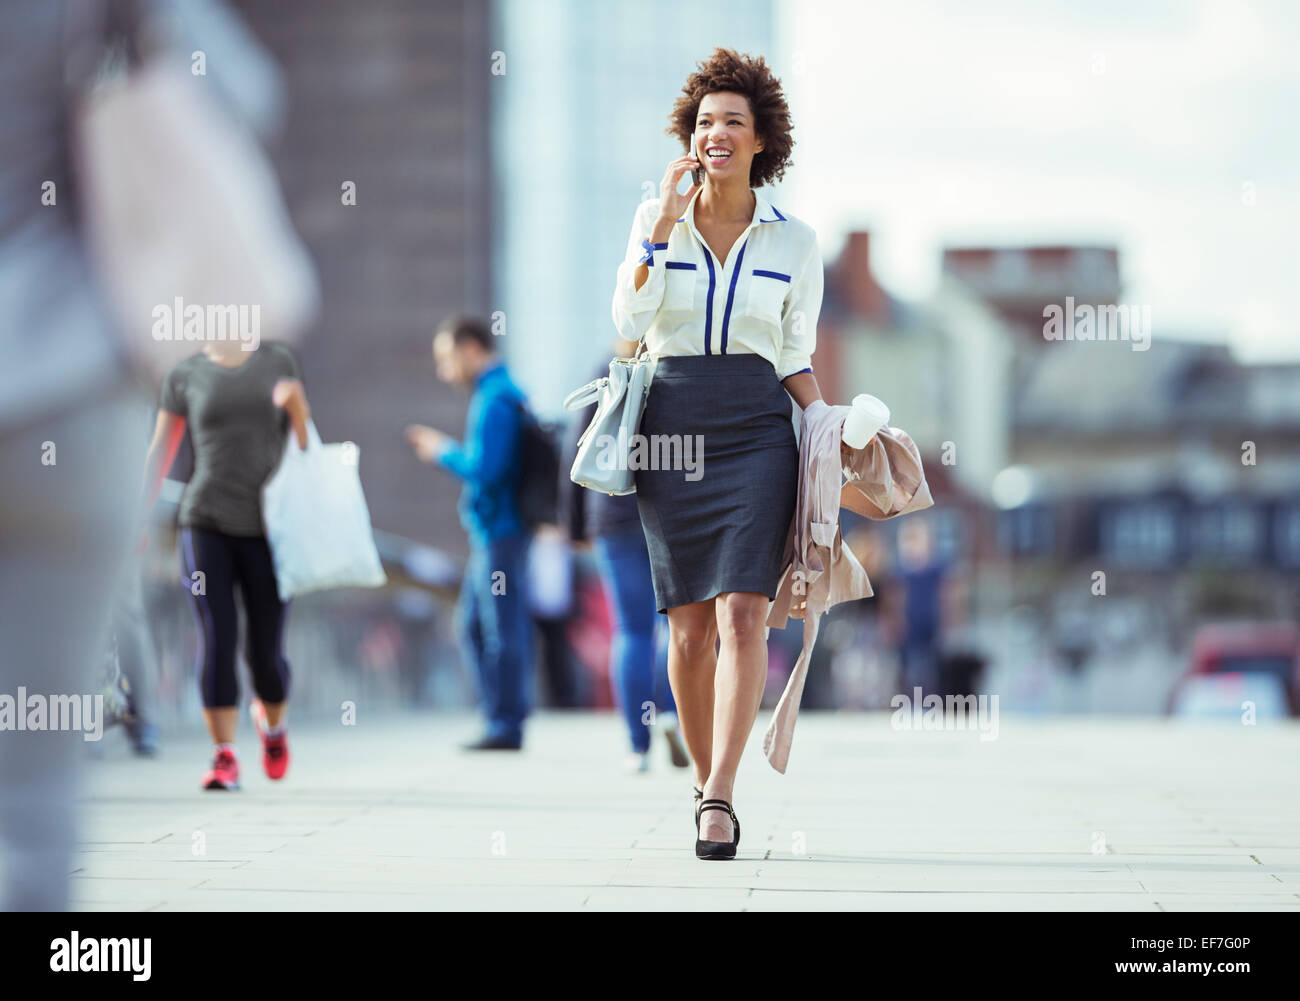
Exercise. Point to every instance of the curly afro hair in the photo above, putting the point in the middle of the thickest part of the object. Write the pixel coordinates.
(728, 70)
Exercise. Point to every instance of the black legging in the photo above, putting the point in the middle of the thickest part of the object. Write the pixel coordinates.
(224, 560)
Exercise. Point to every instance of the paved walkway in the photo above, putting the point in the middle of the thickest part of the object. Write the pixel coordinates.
(389, 815)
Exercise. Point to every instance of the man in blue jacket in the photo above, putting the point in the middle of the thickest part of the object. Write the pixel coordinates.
(493, 613)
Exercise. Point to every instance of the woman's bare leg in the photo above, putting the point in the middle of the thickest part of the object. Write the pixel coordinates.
(739, 680)
(221, 724)
(275, 712)
(692, 660)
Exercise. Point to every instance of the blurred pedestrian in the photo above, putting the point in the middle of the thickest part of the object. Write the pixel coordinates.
(639, 651)
(238, 407)
(130, 640)
(921, 576)
(550, 602)
(493, 618)
(68, 456)
(137, 660)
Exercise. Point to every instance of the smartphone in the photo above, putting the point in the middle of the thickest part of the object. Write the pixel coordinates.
(697, 175)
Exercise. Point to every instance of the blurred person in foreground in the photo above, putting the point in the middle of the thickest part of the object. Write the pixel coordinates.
(69, 455)
(132, 642)
(638, 657)
(493, 616)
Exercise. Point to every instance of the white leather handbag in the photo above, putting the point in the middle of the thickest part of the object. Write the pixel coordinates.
(602, 459)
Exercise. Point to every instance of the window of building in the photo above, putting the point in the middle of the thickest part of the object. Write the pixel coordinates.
(1227, 533)
(1286, 535)
(1029, 530)
(1141, 533)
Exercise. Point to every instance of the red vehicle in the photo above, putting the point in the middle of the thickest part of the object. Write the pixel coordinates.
(1254, 651)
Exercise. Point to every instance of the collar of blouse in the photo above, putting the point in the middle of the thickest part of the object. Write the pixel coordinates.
(764, 211)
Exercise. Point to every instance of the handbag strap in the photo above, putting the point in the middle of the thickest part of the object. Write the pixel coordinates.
(586, 395)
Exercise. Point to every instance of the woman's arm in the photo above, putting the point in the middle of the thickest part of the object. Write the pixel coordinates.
(659, 233)
(168, 431)
(799, 317)
(799, 335)
(802, 386)
(289, 395)
(671, 206)
(639, 290)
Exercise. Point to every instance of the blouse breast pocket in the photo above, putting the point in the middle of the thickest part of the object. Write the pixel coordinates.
(679, 286)
(767, 293)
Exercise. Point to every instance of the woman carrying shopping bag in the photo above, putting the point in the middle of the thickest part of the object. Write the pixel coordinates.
(238, 406)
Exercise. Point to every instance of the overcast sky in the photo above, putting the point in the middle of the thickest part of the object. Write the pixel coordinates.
(1132, 122)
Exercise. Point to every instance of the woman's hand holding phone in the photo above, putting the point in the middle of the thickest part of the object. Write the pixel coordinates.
(671, 203)
(671, 207)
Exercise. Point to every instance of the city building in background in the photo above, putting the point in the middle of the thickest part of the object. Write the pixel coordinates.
(1166, 466)
(395, 100)
(944, 365)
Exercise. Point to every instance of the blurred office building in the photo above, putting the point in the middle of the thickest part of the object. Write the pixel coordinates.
(1165, 464)
(385, 165)
(1161, 456)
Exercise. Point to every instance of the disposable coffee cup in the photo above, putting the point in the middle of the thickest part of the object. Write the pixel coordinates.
(868, 416)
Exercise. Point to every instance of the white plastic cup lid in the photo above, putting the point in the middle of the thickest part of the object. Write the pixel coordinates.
(868, 416)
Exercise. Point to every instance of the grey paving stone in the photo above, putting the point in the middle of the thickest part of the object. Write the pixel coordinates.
(390, 815)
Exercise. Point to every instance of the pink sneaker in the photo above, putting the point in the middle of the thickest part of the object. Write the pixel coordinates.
(224, 773)
(275, 750)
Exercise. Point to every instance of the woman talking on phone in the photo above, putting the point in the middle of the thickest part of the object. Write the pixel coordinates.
(238, 406)
(725, 288)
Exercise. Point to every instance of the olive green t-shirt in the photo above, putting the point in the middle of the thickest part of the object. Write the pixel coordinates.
(237, 433)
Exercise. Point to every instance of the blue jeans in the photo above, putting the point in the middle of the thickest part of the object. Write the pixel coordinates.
(496, 631)
(640, 664)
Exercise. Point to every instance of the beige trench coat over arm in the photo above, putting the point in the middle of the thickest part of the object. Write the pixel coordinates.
(883, 480)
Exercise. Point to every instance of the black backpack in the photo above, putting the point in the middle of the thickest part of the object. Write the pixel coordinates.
(538, 487)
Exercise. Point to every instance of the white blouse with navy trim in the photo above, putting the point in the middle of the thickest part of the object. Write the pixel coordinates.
(764, 299)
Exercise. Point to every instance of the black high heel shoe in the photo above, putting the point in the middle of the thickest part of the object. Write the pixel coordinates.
(717, 850)
(699, 795)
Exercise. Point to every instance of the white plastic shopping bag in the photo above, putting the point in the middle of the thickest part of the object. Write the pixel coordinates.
(316, 519)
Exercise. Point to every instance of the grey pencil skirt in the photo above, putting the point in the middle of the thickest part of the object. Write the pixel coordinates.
(720, 523)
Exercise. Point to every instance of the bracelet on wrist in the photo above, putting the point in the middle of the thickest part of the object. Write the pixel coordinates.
(648, 258)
